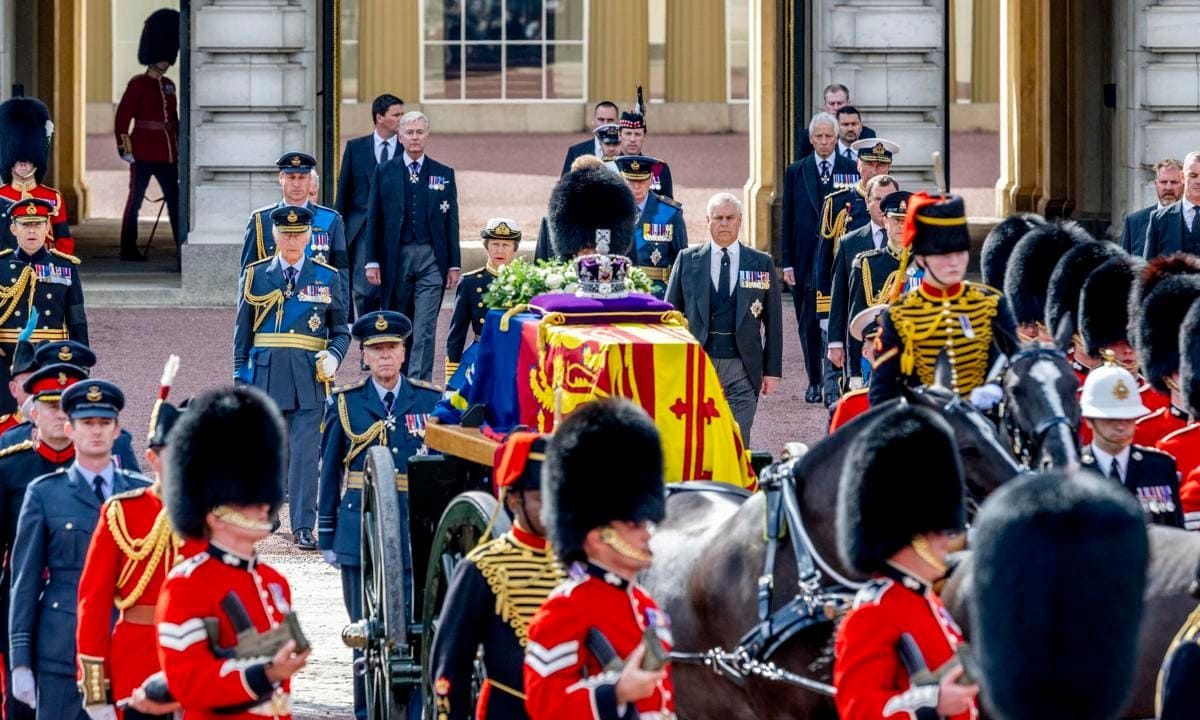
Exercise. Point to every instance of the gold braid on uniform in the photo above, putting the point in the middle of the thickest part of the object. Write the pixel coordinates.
(375, 434)
(884, 295)
(10, 295)
(520, 577)
(927, 325)
(158, 545)
(262, 304)
(262, 250)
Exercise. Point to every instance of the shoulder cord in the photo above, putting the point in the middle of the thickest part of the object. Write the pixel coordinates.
(10, 295)
(375, 434)
(262, 303)
(157, 545)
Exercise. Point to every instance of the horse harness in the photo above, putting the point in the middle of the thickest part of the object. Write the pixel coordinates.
(1025, 444)
(822, 596)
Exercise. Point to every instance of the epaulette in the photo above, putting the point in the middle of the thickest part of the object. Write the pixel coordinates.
(6, 251)
(70, 258)
(185, 567)
(19, 447)
(425, 385)
(349, 386)
(264, 208)
(835, 193)
(130, 494)
(858, 260)
(327, 266)
(134, 474)
(873, 592)
(987, 289)
(260, 262)
(475, 272)
(670, 201)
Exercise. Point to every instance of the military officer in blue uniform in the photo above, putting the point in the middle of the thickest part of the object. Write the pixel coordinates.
(290, 335)
(660, 233)
(297, 177)
(57, 518)
(385, 409)
(501, 238)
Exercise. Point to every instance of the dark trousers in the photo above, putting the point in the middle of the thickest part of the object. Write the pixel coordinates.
(831, 376)
(740, 392)
(352, 597)
(304, 455)
(804, 298)
(364, 294)
(419, 285)
(140, 173)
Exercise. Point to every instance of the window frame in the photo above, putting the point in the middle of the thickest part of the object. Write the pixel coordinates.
(729, 42)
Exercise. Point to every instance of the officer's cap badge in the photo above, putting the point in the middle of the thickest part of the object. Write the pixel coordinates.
(635, 166)
(381, 323)
(293, 217)
(64, 354)
(502, 230)
(62, 379)
(879, 149)
(31, 209)
(1120, 391)
(94, 394)
(903, 206)
(295, 161)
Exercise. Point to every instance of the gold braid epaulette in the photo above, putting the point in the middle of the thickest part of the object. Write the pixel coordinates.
(157, 549)
(262, 304)
(520, 577)
(375, 434)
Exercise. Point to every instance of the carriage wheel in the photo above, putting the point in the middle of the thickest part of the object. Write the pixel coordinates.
(461, 528)
(387, 650)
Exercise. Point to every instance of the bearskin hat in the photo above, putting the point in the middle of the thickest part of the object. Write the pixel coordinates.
(1156, 331)
(582, 488)
(879, 512)
(1027, 279)
(1066, 282)
(227, 449)
(1041, 538)
(587, 200)
(25, 131)
(1104, 303)
(1154, 272)
(1189, 359)
(999, 244)
(160, 38)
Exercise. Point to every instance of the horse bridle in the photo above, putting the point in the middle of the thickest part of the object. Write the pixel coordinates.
(1026, 442)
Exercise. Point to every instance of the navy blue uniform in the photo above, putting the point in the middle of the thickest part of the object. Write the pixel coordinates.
(660, 235)
(357, 411)
(1149, 476)
(844, 210)
(469, 313)
(122, 449)
(275, 342)
(328, 243)
(57, 518)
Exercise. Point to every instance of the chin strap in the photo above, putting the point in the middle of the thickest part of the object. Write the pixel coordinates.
(925, 552)
(224, 513)
(609, 537)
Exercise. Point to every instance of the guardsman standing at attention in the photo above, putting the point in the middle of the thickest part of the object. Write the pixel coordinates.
(598, 522)
(969, 323)
(25, 131)
(127, 562)
(501, 238)
(660, 233)
(385, 409)
(493, 595)
(222, 483)
(289, 338)
(59, 515)
(34, 279)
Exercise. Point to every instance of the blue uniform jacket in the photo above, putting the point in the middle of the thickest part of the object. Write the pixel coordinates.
(267, 320)
(328, 243)
(356, 410)
(55, 528)
(122, 449)
(659, 235)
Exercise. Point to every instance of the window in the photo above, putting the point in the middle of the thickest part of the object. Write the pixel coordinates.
(349, 56)
(504, 50)
(737, 50)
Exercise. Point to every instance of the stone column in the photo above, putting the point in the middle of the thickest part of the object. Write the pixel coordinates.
(1020, 109)
(985, 54)
(695, 63)
(389, 50)
(68, 108)
(767, 160)
(253, 97)
(892, 58)
(99, 51)
(6, 49)
(618, 49)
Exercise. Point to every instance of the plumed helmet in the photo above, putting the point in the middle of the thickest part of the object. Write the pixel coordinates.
(227, 449)
(1104, 303)
(25, 131)
(999, 244)
(160, 38)
(587, 200)
(1041, 538)
(582, 487)
(1066, 282)
(1027, 279)
(881, 508)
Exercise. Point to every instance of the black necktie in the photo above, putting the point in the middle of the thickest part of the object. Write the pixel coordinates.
(289, 274)
(882, 238)
(723, 283)
(1114, 471)
(98, 486)
(849, 154)
(414, 168)
(825, 171)
(389, 399)
(383, 153)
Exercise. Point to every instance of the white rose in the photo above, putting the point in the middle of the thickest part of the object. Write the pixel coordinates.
(571, 287)
(554, 281)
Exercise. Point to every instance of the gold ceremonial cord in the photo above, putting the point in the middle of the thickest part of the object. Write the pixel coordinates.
(885, 292)
(924, 333)
(1186, 634)
(10, 295)
(262, 304)
(520, 577)
(262, 251)
(158, 545)
(376, 434)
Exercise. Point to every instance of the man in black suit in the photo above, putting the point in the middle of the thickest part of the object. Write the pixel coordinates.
(836, 97)
(354, 185)
(1110, 405)
(729, 295)
(805, 185)
(1174, 227)
(1168, 186)
(412, 238)
(605, 113)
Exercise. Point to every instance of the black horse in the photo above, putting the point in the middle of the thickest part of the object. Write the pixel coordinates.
(711, 549)
(1041, 411)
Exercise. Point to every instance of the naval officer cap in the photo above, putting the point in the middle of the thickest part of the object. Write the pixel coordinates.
(635, 167)
(48, 382)
(609, 134)
(875, 150)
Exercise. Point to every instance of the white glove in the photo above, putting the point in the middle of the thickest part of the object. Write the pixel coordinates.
(856, 383)
(331, 558)
(328, 362)
(986, 397)
(128, 157)
(24, 688)
(101, 712)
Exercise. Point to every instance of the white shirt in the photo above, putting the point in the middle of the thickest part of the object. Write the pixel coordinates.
(408, 160)
(106, 486)
(1189, 213)
(379, 142)
(381, 391)
(830, 159)
(714, 264)
(842, 148)
(875, 230)
(1104, 461)
(283, 266)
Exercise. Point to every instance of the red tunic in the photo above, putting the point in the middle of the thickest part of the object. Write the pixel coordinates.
(562, 677)
(1158, 424)
(59, 237)
(871, 681)
(9, 421)
(151, 105)
(202, 682)
(1184, 445)
(850, 406)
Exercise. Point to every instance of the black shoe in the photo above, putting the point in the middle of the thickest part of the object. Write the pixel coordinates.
(304, 539)
(813, 395)
(132, 256)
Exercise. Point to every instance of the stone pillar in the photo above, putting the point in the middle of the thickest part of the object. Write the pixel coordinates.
(766, 122)
(618, 49)
(6, 49)
(253, 97)
(68, 108)
(1020, 109)
(892, 58)
(389, 50)
(985, 51)
(695, 63)
(1056, 90)
(99, 51)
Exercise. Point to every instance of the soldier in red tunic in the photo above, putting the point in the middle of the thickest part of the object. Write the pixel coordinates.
(152, 149)
(127, 562)
(597, 646)
(1184, 444)
(864, 328)
(898, 527)
(25, 131)
(222, 484)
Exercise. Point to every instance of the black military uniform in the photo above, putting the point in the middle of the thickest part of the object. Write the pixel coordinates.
(469, 309)
(493, 595)
(968, 322)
